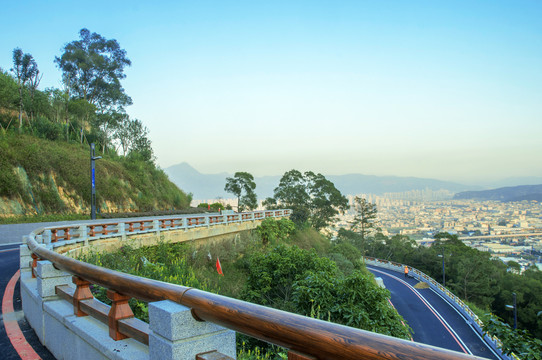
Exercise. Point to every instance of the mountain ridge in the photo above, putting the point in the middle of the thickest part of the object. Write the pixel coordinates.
(505, 194)
(211, 186)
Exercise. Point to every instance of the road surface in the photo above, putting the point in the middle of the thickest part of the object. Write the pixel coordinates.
(433, 320)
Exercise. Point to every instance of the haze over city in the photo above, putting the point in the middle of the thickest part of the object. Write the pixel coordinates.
(449, 91)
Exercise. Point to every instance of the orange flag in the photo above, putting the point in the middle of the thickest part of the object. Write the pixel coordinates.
(218, 267)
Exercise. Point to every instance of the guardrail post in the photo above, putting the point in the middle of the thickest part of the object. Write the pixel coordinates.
(175, 334)
(121, 230)
(119, 310)
(82, 292)
(156, 227)
(82, 232)
(25, 256)
(49, 278)
(47, 236)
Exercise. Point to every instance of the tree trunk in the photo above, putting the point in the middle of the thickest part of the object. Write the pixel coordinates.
(20, 109)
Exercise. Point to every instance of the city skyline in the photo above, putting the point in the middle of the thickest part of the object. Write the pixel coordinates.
(448, 91)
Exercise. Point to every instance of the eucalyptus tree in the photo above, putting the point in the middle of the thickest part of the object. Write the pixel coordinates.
(242, 185)
(25, 69)
(92, 69)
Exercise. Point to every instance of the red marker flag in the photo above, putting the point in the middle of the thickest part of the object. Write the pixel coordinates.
(218, 267)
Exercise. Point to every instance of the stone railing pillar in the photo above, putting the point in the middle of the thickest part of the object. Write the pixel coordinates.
(25, 257)
(175, 334)
(46, 236)
(49, 278)
(121, 230)
(156, 227)
(82, 232)
(36, 292)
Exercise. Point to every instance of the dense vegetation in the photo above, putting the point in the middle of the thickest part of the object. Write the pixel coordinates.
(295, 270)
(45, 137)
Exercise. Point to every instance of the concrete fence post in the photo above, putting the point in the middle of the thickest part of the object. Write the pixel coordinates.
(175, 334)
(82, 232)
(25, 256)
(156, 227)
(48, 278)
(46, 236)
(121, 228)
(36, 292)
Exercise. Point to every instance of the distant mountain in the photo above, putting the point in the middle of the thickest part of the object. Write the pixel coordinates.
(514, 181)
(211, 186)
(511, 193)
(378, 185)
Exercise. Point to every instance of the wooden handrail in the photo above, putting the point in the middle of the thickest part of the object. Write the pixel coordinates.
(321, 339)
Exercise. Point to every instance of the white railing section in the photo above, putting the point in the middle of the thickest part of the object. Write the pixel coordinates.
(463, 308)
(172, 332)
(56, 236)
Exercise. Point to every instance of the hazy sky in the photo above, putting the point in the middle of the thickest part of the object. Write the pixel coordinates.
(443, 89)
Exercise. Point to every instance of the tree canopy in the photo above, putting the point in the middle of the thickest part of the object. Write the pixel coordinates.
(89, 108)
(312, 198)
(242, 185)
(92, 68)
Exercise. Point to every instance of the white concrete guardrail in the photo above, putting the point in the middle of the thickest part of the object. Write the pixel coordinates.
(455, 301)
(172, 333)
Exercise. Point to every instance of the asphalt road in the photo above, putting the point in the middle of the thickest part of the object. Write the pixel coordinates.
(9, 264)
(433, 320)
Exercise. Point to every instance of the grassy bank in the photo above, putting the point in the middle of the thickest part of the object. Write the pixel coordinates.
(42, 177)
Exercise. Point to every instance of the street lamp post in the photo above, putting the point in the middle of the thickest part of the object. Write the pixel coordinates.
(514, 307)
(93, 181)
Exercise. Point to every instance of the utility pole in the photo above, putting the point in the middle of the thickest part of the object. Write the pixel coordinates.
(93, 181)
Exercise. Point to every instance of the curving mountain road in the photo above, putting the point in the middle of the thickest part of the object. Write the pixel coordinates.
(433, 320)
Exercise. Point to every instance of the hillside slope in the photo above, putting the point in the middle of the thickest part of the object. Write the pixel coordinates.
(44, 177)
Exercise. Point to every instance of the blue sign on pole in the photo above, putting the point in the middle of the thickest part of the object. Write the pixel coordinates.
(93, 180)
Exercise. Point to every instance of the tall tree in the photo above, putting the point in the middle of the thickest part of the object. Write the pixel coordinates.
(311, 197)
(93, 67)
(33, 83)
(24, 68)
(242, 185)
(365, 216)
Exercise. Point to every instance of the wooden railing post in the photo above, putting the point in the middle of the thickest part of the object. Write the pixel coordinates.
(82, 292)
(54, 237)
(35, 260)
(119, 310)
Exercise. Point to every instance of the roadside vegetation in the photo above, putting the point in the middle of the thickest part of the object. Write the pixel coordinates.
(283, 271)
